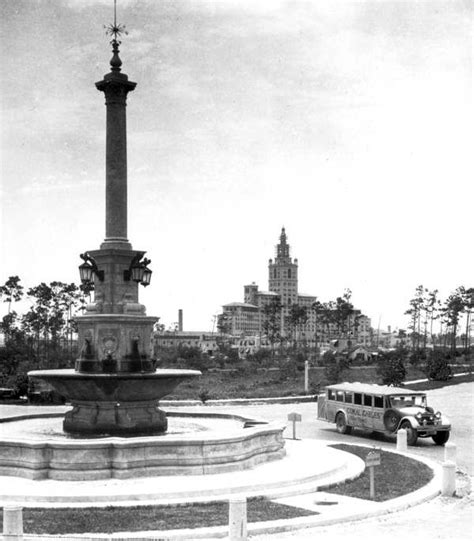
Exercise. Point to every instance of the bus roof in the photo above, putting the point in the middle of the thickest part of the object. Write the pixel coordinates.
(372, 388)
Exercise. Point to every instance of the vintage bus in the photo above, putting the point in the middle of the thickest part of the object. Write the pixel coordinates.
(382, 408)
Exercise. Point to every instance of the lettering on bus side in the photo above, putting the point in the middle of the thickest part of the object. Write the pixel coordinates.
(364, 413)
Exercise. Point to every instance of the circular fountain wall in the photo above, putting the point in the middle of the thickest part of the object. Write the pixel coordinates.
(35, 447)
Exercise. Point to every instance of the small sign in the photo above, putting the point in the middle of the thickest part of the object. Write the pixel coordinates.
(294, 417)
(373, 459)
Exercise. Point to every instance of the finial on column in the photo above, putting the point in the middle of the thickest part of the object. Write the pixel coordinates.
(115, 61)
(115, 30)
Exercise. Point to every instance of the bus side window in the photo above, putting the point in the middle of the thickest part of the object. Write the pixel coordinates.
(357, 398)
(331, 395)
(348, 398)
(367, 400)
(340, 396)
(378, 401)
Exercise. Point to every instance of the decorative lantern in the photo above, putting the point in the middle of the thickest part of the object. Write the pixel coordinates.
(137, 272)
(146, 277)
(88, 269)
(86, 272)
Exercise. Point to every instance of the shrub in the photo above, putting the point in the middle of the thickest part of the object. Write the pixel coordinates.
(391, 369)
(335, 366)
(437, 367)
(415, 357)
(262, 357)
(288, 368)
(204, 395)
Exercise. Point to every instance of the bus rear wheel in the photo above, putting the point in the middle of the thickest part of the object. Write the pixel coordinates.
(341, 425)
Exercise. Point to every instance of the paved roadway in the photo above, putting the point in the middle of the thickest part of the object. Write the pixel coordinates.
(456, 401)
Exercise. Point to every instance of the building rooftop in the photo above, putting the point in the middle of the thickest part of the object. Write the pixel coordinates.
(242, 304)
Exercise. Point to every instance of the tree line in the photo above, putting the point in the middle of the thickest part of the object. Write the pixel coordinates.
(44, 335)
(451, 316)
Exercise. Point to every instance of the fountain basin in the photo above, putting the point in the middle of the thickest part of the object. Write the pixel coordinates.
(213, 444)
(116, 387)
(117, 403)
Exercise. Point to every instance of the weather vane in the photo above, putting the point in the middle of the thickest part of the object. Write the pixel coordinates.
(114, 29)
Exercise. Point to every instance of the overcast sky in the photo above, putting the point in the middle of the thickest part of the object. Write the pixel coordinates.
(347, 122)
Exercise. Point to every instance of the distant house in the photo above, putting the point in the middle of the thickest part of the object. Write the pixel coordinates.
(359, 353)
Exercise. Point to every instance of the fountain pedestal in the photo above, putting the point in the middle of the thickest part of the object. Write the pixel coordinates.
(115, 418)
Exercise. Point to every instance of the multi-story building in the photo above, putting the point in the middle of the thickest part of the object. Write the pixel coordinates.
(205, 341)
(247, 318)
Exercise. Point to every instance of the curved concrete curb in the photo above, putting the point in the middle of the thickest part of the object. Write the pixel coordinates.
(371, 509)
(428, 492)
(297, 473)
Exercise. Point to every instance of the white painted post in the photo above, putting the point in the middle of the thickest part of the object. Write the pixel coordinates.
(372, 482)
(12, 523)
(238, 519)
(402, 440)
(306, 377)
(449, 478)
(450, 452)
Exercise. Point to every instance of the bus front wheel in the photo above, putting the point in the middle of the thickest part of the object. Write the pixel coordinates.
(412, 434)
(440, 438)
(341, 424)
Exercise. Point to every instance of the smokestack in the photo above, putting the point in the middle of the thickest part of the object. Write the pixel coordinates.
(180, 320)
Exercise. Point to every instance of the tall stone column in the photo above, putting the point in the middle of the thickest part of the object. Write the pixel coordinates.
(114, 333)
(116, 86)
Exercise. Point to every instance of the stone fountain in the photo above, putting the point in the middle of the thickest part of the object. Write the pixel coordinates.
(115, 428)
(115, 387)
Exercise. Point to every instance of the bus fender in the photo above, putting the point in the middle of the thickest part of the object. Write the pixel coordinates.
(413, 422)
(337, 413)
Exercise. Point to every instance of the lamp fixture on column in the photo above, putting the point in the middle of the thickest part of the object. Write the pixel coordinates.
(89, 268)
(138, 270)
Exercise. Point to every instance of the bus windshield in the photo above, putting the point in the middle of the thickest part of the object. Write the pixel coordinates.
(401, 401)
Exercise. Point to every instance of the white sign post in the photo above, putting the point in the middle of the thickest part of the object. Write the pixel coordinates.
(306, 377)
(372, 460)
(294, 417)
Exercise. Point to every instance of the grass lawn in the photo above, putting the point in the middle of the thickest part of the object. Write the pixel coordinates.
(396, 476)
(120, 519)
(273, 383)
